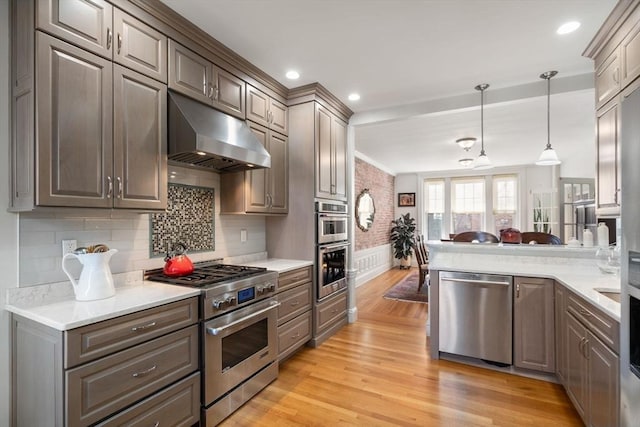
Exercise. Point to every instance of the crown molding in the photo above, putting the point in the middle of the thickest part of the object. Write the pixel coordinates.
(317, 92)
(609, 31)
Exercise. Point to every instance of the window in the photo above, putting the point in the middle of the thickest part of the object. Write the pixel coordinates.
(505, 202)
(434, 198)
(468, 207)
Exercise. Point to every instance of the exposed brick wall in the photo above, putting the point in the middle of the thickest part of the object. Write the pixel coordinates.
(381, 187)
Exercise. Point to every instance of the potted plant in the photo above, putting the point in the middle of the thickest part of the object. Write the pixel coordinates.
(403, 238)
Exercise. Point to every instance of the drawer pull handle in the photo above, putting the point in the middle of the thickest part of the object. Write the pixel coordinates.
(294, 303)
(145, 372)
(297, 335)
(140, 328)
(157, 424)
(585, 312)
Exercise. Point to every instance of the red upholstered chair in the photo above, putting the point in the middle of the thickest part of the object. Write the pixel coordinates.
(480, 236)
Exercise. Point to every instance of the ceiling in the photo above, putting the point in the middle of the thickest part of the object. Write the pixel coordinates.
(415, 64)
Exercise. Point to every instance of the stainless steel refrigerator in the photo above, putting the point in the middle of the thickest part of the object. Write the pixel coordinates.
(630, 271)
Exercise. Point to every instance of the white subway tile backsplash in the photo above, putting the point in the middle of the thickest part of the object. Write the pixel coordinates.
(41, 233)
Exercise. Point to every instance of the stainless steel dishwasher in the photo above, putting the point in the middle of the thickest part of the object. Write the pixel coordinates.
(476, 315)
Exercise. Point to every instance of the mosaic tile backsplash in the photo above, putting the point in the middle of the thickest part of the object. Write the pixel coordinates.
(188, 219)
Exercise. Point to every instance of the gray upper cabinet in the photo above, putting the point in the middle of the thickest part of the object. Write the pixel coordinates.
(140, 141)
(85, 23)
(196, 77)
(608, 158)
(74, 110)
(96, 26)
(266, 111)
(607, 82)
(331, 155)
(139, 47)
(99, 134)
(258, 191)
(533, 314)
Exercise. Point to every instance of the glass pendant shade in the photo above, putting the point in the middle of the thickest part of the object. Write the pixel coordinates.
(482, 162)
(548, 157)
(465, 162)
(466, 143)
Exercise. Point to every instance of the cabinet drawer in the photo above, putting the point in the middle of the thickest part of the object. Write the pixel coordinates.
(294, 278)
(294, 334)
(330, 311)
(603, 326)
(294, 302)
(100, 339)
(178, 405)
(100, 388)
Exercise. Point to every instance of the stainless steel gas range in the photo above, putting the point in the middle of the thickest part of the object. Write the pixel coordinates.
(238, 345)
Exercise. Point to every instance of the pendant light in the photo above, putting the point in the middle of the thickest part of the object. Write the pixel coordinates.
(482, 162)
(548, 156)
(466, 143)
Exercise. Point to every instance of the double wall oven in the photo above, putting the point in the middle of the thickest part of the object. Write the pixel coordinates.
(331, 247)
(239, 346)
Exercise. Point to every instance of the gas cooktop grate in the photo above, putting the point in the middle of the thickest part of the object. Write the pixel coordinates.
(204, 275)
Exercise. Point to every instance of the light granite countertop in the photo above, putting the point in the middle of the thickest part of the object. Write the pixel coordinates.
(54, 305)
(280, 265)
(575, 268)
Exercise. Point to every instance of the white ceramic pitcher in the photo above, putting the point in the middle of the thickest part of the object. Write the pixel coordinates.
(95, 280)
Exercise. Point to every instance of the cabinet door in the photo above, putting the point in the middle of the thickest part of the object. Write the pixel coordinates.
(139, 47)
(630, 56)
(85, 23)
(604, 384)
(533, 311)
(279, 173)
(607, 78)
(256, 181)
(324, 181)
(257, 106)
(279, 117)
(560, 321)
(75, 121)
(576, 376)
(339, 146)
(228, 93)
(189, 73)
(608, 158)
(140, 141)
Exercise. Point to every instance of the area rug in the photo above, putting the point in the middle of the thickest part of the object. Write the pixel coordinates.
(407, 290)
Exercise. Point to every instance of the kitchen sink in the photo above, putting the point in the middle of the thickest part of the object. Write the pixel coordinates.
(613, 294)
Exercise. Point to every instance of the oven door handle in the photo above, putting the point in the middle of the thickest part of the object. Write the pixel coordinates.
(218, 331)
(334, 245)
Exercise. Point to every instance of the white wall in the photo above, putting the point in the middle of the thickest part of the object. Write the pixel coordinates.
(8, 221)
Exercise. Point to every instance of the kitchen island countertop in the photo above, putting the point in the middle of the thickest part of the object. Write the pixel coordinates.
(575, 268)
(280, 265)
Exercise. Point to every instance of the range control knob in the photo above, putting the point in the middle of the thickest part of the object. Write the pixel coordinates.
(217, 304)
(230, 302)
(270, 287)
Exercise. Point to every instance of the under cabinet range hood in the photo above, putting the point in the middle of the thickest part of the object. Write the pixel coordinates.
(202, 136)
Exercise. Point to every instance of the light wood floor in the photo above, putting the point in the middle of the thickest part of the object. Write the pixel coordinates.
(377, 372)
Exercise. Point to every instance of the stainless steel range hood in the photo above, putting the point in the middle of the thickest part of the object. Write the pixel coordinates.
(202, 136)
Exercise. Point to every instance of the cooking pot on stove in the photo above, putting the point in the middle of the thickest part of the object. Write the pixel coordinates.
(177, 263)
(510, 235)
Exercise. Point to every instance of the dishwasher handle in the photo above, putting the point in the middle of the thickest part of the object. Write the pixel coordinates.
(476, 282)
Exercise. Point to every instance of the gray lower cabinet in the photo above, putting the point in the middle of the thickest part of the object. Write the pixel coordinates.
(87, 132)
(533, 318)
(592, 364)
(560, 327)
(198, 78)
(139, 368)
(263, 191)
(330, 315)
(295, 295)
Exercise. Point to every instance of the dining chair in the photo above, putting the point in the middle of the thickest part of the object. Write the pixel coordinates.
(479, 236)
(541, 238)
(422, 256)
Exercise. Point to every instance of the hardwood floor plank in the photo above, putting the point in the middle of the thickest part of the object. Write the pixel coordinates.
(377, 372)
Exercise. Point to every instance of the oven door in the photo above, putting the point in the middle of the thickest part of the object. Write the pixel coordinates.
(332, 228)
(332, 266)
(237, 345)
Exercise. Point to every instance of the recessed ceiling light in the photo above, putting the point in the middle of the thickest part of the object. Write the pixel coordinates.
(354, 97)
(292, 75)
(568, 27)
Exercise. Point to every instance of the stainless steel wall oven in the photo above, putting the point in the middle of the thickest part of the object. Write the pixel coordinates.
(331, 247)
